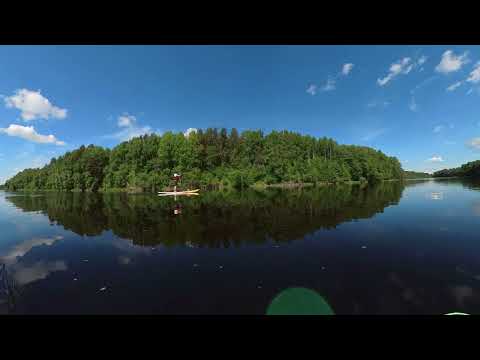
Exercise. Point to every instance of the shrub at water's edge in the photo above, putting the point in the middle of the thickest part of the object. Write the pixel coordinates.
(210, 159)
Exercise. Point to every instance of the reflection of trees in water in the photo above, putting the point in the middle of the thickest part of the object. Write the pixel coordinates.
(413, 183)
(468, 183)
(214, 219)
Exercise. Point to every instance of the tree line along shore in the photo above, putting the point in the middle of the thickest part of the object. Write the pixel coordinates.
(211, 159)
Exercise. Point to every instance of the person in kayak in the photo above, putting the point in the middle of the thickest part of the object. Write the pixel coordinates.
(176, 178)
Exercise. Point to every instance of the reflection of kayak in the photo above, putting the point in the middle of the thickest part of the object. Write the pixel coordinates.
(186, 192)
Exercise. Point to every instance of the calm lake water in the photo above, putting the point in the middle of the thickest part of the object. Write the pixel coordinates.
(388, 249)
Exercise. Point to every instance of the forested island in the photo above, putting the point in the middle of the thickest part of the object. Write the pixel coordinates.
(209, 159)
(470, 169)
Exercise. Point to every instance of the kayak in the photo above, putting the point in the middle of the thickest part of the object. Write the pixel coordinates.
(179, 192)
(175, 193)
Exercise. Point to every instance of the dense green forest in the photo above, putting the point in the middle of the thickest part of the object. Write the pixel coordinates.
(209, 159)
(416, 175)
(470, 169)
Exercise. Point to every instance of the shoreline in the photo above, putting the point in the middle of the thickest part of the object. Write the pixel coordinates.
(262, 186)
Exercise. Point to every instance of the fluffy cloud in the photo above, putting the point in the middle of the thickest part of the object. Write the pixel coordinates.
(329, 86)
(130, 129)
(189, 131)
(312, 89)
(29, 133)
(451, 62)
(435, 158)
(403, 66)
(347, 68)
(126, 120)
(475, 74)
(33, 105)
(474, 143)
(454, 86)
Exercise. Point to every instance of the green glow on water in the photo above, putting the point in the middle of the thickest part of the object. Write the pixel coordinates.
(299, 301)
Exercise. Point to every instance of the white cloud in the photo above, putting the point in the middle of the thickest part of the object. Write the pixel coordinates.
(451, 62)
(413, 105)
(189, 131)
(130, 129)
(373, 134)
(403, 66)
(29, 133)
(347, 68)
(435, 158)
(474, 143)
(329, 86)
(438, 128)
(454, 86)
(126, 120)
(312, 89)
(422, 60)
(33, 105)
(474, 76)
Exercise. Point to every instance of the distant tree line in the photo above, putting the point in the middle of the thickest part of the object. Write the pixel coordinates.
(416, 175)
(209, 159)
(470, 169)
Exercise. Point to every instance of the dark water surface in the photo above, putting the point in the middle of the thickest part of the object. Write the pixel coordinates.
(386, 249)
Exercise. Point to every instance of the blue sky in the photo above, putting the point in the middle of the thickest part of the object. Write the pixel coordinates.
(418, 103)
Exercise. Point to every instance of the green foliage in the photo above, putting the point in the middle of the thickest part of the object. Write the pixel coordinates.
(209, 159)
(470, 169)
